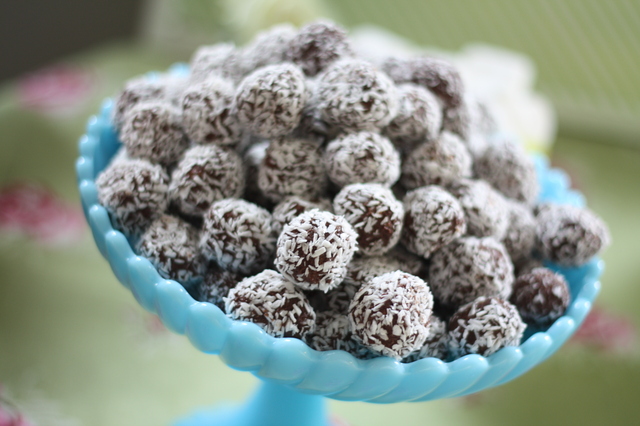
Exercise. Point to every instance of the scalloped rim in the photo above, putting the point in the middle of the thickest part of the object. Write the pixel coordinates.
(335, 374)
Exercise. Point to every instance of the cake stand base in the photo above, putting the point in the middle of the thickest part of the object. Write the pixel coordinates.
(270, 405)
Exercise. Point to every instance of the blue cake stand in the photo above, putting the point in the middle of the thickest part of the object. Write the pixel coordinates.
(295, 378)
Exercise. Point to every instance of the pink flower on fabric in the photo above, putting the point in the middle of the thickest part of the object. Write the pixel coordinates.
(59, 89)
(33, 210)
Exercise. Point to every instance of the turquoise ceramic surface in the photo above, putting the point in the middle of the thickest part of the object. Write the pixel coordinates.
(296, 376)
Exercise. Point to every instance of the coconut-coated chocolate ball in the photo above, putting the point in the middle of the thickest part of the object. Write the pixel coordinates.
(541, 296)
(153, 131)
(433, 218)
(468, 268)
(207, 114)
(293, 206)
(237, 235)
(374, 213)
(171, 244)
(216, 284)
(437, 162)
(363, 157)
(520, 238)
(419, 116)
(437, 343)
(273, 303)
(314, 250)
(134, 192)
(268, 47)
(484, 326)
(390, 314)
(317, 45)
(206, 173)
(437, 75)
(292, 167)
(222, 59)
(569, 235)
(253, 156)
(364, 268)
(508, 168)
(486, 210)
(269, 101)
(332, 333)
(353, 95)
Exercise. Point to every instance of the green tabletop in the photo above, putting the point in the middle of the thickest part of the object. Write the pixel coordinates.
(76, 349)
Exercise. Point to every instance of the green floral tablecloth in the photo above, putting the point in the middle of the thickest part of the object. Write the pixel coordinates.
(76, 349)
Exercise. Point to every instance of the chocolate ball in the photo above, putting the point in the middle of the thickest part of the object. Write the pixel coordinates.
(207, 114)
(293, 206)
(484, 326)
(268, 47)
(353, 95)
(134, 192)
(520, 238)
(374, 213)
(541, 296)
(419, 117)
(486, 210)
(390, 314)
(568, 235)
(363, 157)
(437, 162)
(237, 236)
(332, 333)
(362, 269)
(437, 75)
(216, 284)
(273, 303)
(171, 244)
(206, 173)
(433, 218)
(153, 131)
(317, 45)
(269, 101)
(436, 345)
(222, 60)
(468, 268)
(314, 250)
(292, 167)
(508, 168)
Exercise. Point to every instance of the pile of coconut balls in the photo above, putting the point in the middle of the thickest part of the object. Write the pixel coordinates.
(369, 207)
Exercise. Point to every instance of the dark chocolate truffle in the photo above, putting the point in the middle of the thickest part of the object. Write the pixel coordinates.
(437, 343)
(292, 167)
(484, 326)
(293, 206)
(390, 314)
(363, 157)
(237, 235)
(433, 218)
(171, 244)
(314, 250)
(216, 284)
(541, 296)
(134, 192)
(508, 168)
(273, 303)
(153, 131)
(317, 45)
(353, 95)
(437, 75)
(269, 101)
(206, 173)
(469, 268)
(437, 162)
(207, 114)
(486, 209)
(569, 235)
(374, 213)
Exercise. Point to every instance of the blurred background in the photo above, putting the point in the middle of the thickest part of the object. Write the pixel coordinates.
(76, 349)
